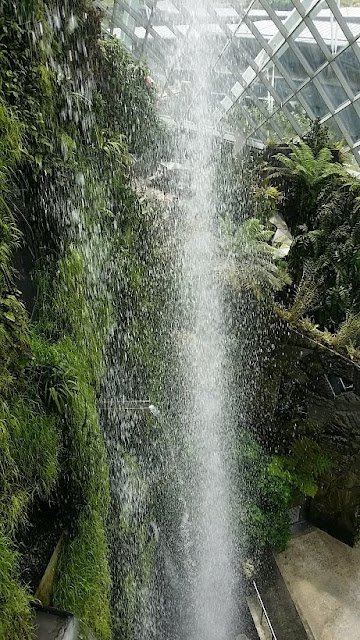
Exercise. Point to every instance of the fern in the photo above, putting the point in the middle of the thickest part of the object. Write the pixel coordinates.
(306, 294)
(309, 169)
(349, 332)
(250, 262)
(302, 467)
(337, 301)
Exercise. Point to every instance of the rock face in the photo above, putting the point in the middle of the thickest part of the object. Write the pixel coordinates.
(319, 396)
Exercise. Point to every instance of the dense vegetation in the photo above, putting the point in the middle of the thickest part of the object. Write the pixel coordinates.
(70, 125)
(83, 282)
(320, 205)
(312, 288)
(317, 284)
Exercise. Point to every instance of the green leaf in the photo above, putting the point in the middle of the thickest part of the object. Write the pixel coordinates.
(54, 395)
(276, 468)
(309, 488)
(10, 316)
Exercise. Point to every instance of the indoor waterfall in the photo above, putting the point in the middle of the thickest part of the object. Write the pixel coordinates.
(179, 319)
(202, 369)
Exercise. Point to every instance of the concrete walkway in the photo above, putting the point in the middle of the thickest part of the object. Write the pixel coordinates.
(323, 577)
(278, 603)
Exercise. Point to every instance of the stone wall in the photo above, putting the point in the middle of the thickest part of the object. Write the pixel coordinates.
(319, 396)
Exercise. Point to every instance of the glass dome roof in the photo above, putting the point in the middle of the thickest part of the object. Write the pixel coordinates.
(279, 63)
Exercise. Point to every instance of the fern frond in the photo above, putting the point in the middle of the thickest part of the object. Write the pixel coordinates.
(304, 166)
(349, 331)
(306, 294)
(250, 262)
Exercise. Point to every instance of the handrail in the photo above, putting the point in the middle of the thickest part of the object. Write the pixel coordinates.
(264, 612)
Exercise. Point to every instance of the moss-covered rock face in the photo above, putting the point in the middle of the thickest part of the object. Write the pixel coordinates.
(137, 364)
(74, 110)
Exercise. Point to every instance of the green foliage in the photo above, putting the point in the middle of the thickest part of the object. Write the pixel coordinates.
(55, 381)
(84, 584)
(309, 170)
(69, 174)
(268, 487)
(85, 317)
(35, 444)
(126, 103)
(9, 240)
(14, 341)
(320, 203)
(10, 146)
(302, 467)
(29, 467)
(28, 438)
(348, 334)
(13, 497)
(250, 261)
(318, 137)
(10, 153)
(15, 618)
(66, 387)
(330, 250)
(262, 519)
(306, 293)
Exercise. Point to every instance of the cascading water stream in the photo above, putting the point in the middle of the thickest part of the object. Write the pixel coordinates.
(196, 546)
(203, 370)
(205, 417)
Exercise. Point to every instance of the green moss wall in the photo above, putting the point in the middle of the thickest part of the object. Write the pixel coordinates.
(75, 114)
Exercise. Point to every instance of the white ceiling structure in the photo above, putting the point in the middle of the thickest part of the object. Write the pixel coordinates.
(280, 63)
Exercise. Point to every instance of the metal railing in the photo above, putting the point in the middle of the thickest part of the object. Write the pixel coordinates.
(264, 618)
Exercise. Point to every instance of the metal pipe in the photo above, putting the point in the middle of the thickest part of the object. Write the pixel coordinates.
(264, 612)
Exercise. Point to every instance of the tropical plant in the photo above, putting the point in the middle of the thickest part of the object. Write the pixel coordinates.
(306, 293)
(307, 173)
(320, 204)
(331, 251)
(318, 137)
(302, 467)
(267, 486)
(348, 334)
(309, 169)
(262, 500)
(249, 260)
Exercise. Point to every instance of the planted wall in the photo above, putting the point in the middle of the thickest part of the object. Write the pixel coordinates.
(75, 112)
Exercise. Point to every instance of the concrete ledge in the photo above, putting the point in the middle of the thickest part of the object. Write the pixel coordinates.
(323, 578)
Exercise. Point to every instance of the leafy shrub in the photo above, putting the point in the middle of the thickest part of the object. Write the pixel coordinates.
(269, 485)
(309, 172)
(15, 619)
(250, 261)
(261, 518)
(302, 467)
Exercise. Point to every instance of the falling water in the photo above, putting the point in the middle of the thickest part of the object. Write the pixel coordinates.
(204, 370)
(203, 367)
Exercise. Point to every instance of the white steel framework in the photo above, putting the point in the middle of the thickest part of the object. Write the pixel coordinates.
(280, 63)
